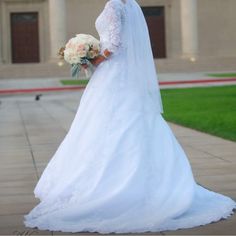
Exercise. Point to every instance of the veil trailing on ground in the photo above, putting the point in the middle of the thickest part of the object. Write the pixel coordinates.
(140, 63)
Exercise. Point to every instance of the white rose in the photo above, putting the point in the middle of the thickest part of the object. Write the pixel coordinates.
(82, 53)
(75, 60)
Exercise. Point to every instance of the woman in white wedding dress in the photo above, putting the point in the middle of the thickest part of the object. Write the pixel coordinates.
(120, 168)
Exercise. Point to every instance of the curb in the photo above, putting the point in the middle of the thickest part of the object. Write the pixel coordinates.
(33, 90)
(71, 88)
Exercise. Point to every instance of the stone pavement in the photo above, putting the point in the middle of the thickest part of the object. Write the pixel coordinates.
(164, 79)
(31, 131)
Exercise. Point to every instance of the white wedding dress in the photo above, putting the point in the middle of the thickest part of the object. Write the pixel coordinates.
(120, 168)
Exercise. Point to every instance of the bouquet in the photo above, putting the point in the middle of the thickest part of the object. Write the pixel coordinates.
(79, 51)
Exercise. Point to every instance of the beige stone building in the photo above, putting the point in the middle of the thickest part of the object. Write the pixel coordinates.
(181, 30)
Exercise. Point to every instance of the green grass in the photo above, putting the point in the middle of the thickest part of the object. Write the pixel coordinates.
(74, 82)
(223, 75)
(211, 109)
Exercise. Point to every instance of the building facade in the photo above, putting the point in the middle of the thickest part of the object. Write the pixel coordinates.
(32, 31)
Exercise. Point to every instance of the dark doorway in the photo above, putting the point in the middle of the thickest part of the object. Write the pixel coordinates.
(155, 17)
(25, 37)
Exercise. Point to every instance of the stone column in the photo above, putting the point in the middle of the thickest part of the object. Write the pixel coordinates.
(57, 21)
(0, 46)
(189, 29)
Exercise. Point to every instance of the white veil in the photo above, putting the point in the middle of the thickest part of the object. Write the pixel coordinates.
(141, 70)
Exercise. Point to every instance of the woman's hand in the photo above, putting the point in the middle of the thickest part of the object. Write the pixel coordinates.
(85, 66)
(97, 60)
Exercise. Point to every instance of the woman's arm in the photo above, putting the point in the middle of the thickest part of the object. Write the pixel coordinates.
(114, 13)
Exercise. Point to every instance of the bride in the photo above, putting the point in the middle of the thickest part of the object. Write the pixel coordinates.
(120, 168)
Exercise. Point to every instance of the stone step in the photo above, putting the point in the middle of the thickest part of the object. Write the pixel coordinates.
(200, 65)
(41, 70)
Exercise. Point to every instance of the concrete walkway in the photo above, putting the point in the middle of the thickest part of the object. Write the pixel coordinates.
(167, 80)
(31, 131)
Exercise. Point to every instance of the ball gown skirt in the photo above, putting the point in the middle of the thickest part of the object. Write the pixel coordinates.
(120, 169)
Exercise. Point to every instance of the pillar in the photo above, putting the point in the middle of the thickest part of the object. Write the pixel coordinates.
(57, 21)
(189, 29)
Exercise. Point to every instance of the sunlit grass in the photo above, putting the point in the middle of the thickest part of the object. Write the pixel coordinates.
(75, 82)
(222, 75)
(210, 109)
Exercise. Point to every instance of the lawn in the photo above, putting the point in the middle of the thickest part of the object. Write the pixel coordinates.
(210, 109)
(222, 75)
(75, 82)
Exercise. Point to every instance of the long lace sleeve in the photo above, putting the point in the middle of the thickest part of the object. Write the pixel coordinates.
(114, 12)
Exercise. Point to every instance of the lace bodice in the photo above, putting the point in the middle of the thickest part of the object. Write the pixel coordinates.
(109, 25)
